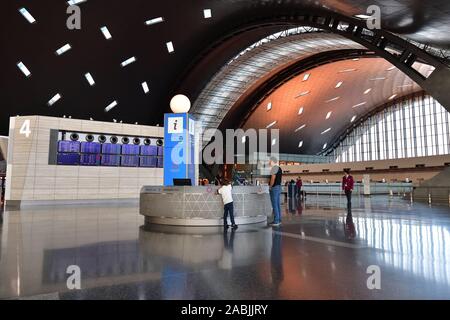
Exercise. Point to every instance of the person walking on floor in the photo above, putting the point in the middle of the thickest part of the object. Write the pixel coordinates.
(299, 185)
(347, 186)
(276, 175)
(226, 192)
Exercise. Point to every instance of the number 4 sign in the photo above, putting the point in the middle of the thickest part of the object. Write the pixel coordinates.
(25, 129)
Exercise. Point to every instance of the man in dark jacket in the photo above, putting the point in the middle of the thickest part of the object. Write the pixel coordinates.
(347, 186)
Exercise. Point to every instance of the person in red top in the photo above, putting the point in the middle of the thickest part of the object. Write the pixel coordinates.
(347, 186)
(299, 186)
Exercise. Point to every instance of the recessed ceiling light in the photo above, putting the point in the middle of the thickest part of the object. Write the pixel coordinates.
(90, 79)
(326, 131)
(271, 125)
(207, 13)
(300, 128)
(325, 146)
(53, 100)
(367, 91)
(106, 33)
(339, 84)
(128, 61)
(24, 69)
(306, 76)
(347, 70)
(269, 106)
(274, 141)
(355, 59)
(353, 119)
(154, 21)
(63, 49)
(392, 97)
(328, 115)
(391, 68)
(145, 87)
(27, 15)
(333, 99)
(170, 47)
(244, 138)
(302, 94)
(300, 144)
(111, 106)
(300, 111)
(359, 104)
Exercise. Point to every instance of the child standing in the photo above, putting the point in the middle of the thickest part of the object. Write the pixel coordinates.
(227, 197)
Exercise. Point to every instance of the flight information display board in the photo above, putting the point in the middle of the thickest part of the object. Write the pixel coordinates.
(109, 148)
(69, 146)
(83, 153)
(130, 161)
(68, 159)
(90, 159)
(110, 160)
(130, 149)
(90, 147)
(149, 150)
(148, 162)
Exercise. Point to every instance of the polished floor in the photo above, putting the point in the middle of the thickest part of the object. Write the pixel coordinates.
(318, 253)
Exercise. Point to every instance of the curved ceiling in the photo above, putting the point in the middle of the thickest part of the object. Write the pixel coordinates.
(316, 107)
(247, 71)
(185, 24)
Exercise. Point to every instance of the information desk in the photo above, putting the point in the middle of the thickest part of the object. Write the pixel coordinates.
(202, 206)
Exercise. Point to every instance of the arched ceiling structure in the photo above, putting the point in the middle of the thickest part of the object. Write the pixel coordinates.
(317, 106)
(189, 26)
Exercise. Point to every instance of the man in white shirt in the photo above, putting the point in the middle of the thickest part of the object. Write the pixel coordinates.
(226, 192)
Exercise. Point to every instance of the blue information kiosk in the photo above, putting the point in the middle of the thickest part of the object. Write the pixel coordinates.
(180, 148)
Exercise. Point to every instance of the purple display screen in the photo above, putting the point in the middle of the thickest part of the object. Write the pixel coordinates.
(130, 149)
(90, 147)
(90, 160)
(149, 150)
(110, 160)
(68, 146)
(160, 162)
(160, 151)
(109, 148)
(68, 159)
(149, 162)
(130, 161)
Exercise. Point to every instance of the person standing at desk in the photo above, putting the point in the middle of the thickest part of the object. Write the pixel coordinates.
(276, 175)
(347, 186)
(226, 192)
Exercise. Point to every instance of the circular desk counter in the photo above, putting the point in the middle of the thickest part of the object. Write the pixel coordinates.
(202, 206)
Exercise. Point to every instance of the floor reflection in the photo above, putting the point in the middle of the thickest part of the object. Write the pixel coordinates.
(321, 251)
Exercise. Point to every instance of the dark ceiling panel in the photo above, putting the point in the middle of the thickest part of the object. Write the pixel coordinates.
(35, 45)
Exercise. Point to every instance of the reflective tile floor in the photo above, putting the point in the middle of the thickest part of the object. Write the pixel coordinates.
(318, 253)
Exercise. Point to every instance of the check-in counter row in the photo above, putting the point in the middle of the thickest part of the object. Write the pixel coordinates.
(202, 206)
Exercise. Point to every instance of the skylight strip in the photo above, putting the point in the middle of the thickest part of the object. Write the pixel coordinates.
(111, 106)
(359, 104)
(300, 128)
(333, 99)
(63, 49)
(24, 69)
(271, 125)
(145, 87)
(75, 2)
(27, 15)
(55, 99)
(154, 21)
(128, 61)
(326, 131)
(170, 47)
(106, 33)
(89, 79)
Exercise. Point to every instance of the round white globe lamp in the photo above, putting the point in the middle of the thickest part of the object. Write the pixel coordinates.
(180, 104)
